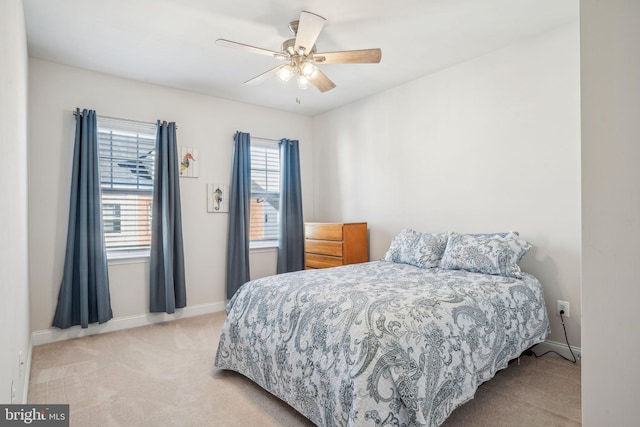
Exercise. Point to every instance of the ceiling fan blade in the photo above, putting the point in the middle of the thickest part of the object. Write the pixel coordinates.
(264, 76)
(364, 56)
(248, 48)
(322, 82)
(309, 28)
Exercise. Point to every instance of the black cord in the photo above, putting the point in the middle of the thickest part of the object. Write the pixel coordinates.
(553, 351)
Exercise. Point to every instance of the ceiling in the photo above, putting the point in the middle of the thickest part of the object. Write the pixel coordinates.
(171, 42)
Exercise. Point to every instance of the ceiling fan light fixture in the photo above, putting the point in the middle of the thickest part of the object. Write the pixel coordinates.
(309, 70)
(303, 82)
(285, 73)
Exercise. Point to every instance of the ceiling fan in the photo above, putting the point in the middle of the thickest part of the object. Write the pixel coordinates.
(300, 55)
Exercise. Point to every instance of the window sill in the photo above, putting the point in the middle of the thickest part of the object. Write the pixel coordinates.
(129, 257)
(267, 246)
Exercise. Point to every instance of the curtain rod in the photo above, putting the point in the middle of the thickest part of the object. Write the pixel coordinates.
(266, 139)
(75, 113)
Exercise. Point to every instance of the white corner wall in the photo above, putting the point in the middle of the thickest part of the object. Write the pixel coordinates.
(203, 122)
(14, 261)
(492, 144)
(610, 70)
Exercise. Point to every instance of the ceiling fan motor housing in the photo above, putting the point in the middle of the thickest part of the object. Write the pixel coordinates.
(289, 47)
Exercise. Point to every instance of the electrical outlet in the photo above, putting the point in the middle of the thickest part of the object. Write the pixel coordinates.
(563, 305)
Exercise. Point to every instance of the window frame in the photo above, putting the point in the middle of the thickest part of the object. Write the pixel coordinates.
(145, 136)
(262, 143)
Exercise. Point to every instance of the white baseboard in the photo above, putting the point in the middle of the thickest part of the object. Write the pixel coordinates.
(50, 335)
(561, 348)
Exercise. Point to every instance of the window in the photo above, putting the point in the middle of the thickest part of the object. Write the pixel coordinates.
(111, 218)
(126, 153)
(265, 193)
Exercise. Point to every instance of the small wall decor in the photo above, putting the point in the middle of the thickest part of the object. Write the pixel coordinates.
(216, 198)
(188, 158)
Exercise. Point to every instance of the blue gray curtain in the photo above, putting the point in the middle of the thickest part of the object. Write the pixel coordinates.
(84, 292)
(167, 284)
(291, 241)
(239, 202)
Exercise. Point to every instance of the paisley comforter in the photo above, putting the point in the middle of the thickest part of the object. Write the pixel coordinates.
(379, 343)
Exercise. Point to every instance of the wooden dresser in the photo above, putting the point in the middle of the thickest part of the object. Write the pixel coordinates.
(334, 244)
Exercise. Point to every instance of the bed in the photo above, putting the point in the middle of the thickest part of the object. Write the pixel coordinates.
(380, 343)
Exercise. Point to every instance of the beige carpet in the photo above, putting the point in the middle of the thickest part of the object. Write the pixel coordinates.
(163, 375)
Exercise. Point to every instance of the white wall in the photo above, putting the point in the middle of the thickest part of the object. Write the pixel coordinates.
(14, 261)
(203, 122)
(610, 68)
(490, 145)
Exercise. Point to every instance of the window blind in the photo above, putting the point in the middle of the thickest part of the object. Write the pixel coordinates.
(265, 190)
(126, 154)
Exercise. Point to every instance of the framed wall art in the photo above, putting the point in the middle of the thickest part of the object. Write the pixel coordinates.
(217, 198)
(188, 158)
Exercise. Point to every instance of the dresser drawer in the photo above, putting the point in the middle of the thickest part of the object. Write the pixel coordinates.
(323, 231)
(322, 261)
(324, 247)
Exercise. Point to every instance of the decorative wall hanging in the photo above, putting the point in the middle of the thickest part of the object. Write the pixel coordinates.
(216, 198)
(188, 158)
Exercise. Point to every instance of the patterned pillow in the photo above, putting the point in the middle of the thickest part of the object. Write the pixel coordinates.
(487, 255)
(420, 249)
(506, 235)
(429, 249)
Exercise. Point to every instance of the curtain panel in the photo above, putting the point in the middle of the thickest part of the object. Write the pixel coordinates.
(239, 202)
(84, 291)
(291, 239)
(167, 289)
